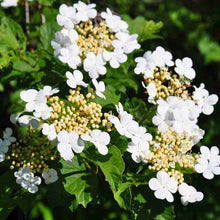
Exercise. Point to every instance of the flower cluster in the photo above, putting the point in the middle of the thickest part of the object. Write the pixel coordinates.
(66, 121)
(178, 109)
(91, 39)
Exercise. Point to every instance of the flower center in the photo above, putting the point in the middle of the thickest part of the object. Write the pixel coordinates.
(94, 38)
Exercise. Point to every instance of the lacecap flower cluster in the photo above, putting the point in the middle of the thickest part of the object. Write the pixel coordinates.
(92, 39)
(179, 104)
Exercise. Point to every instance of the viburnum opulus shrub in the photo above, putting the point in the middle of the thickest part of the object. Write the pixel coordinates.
(65, 129)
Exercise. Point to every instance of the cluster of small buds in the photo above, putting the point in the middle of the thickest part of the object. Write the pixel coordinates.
(169, 149)
(94, 38)
(178, 176)
(31, 151)
(164, 84)
(78, 113)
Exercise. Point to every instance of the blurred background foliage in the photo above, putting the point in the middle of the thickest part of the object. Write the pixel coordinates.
(186, 28)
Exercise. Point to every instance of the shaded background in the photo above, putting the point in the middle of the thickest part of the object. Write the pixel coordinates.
(191, 28)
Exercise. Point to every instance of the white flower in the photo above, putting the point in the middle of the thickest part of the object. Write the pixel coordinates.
(114, 22)
(99, 87)
(3, 146)
(50, 176)
(204, 100)
(163, 186)
(2, 156)
(151, 90)
(162, 58)
(99, 139)
(94, 65)
(180, 114)
(33, 98)
(9, 3)
(7, 135)
(184, 67)
(27, 120)
(49, 130)
(48, 91)
(64, 39)
(84, 11)
(128, 43)
(120, 109)
(139, 151)
(196, 134)
(212, 155)
(70, 55)
(43, 111)
(141, 136)
(208, 169)
(3, 149)
(14, 117)
(125, 125)
(67, 16)
(189, 194)
(36, 101)
(145, 65)
(75, 79)
(115, 58)
(27, 180)
(69, 142)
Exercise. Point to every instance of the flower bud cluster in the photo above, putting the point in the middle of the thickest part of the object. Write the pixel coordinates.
(31, 151)
(78, 113)
(164, 84)
(94, 38)
(170, 151)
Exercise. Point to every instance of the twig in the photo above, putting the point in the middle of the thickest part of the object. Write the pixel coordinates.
(27, 17)
(88, 1)
(43, 19)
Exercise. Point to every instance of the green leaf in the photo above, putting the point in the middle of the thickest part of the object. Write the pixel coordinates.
(23, 66)
(145, 29)
(111, 98)
(5, 57)
(79, 181)
(46, 2)
(168, 214)
(11, 36)
(46, 212)
(210, 49)
(47, 31)
(112, 164)
(151, 30)
(123, 195)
